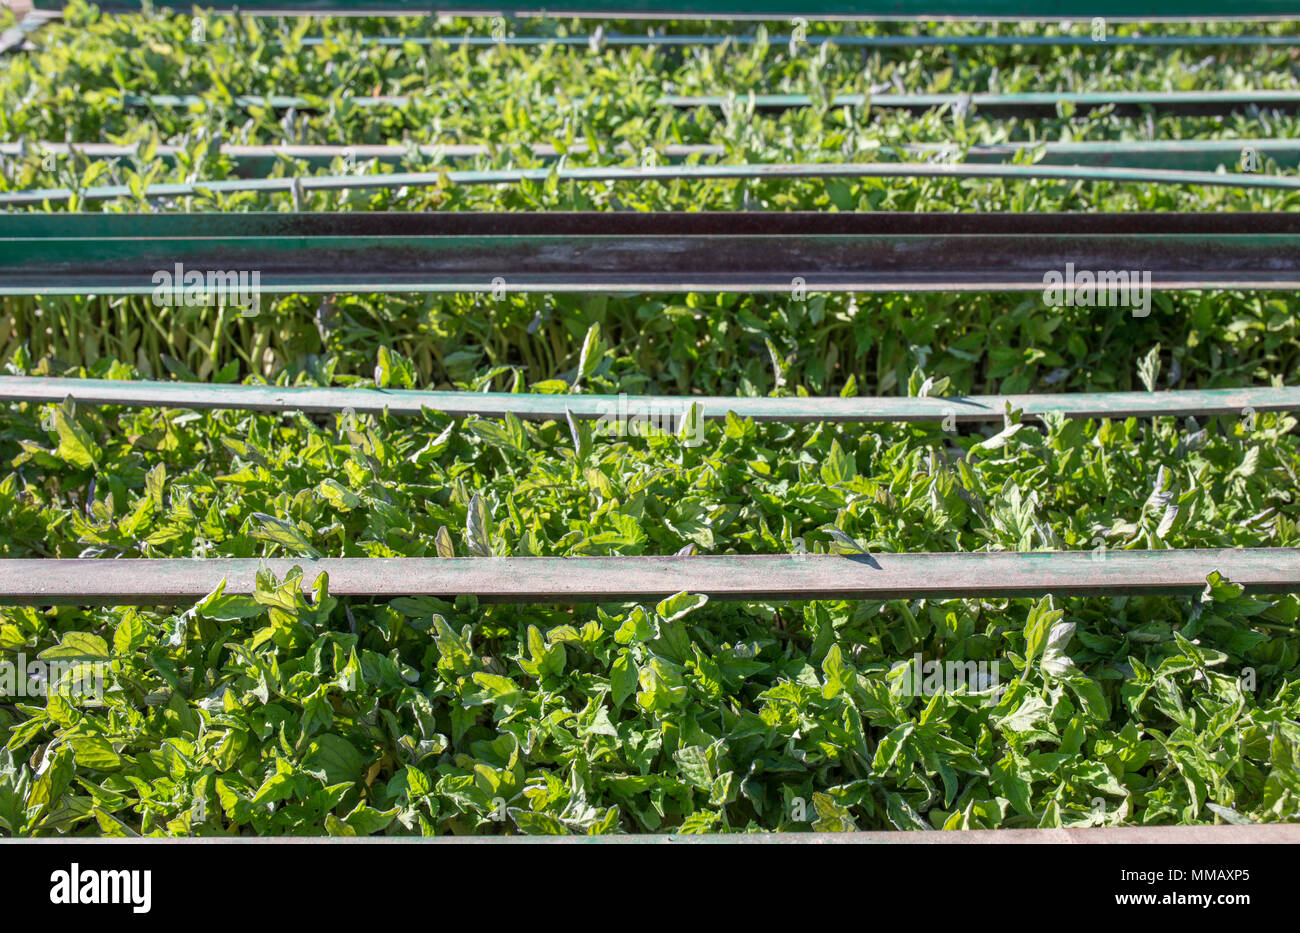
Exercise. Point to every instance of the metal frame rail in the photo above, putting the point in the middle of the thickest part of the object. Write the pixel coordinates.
(355, 181)
(618, 40)
(541, 407)
(1035, 103)
(164, 581)
(602, 39)
(122, 254)
(1203, 155)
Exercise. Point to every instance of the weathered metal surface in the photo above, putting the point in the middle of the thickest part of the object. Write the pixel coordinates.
(620, 579)
(107, 253)
(915, 170)
(779, 40)
(969, 408)
(1038, 103)
(1186, 155)
(1118, 10)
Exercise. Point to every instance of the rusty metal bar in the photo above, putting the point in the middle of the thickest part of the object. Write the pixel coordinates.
(757, 578)
(109, 253)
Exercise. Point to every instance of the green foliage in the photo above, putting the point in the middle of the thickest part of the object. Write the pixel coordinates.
(295, 712)
(298, 713)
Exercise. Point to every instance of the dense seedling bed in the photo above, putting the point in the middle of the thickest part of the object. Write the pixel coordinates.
(287, 709)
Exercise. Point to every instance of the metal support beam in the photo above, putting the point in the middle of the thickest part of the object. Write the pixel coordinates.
(664, 173)
(1204, 155)
(1039, 103)
(758, 578)
(965, 408)
(621, 40)
(107, 253)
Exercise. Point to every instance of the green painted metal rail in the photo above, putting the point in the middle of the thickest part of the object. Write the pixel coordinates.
(620, 579)
(897, 170)
(1035, 103)
(1172, 154)
(968, 408)
(1118, 10)
(774, 252)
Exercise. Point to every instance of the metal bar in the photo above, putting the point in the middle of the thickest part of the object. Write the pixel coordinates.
(618, 40)
(1026, 104)
(250, 160)
(621, 579)
(996, 10)
(1183, 154)
(966, 408)
(107, 253)
(360, 181)
(1180, 154)
(623, 40)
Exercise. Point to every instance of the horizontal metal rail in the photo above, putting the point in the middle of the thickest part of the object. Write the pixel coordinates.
(45, 581)
(1187, 155)
(250, 160)
(677, 40)
(617, 39)
(620, 40)
(1181, 154)
(1020, 104)
(964, 408)
(666, 173)
(623, 251)
(1024, 104)
(997, 10)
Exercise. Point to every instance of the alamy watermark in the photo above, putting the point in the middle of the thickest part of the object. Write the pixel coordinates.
(77, 885)
(190, 288)
(632, 417)
(1106, 288)
(922, 678)
(76, 679)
